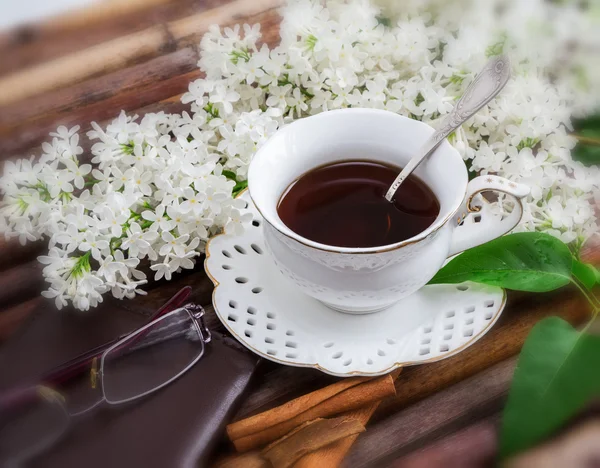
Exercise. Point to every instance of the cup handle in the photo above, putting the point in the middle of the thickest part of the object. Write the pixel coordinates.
(473, 234)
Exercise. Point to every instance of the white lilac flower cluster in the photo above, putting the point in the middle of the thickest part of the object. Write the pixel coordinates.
(156, 189)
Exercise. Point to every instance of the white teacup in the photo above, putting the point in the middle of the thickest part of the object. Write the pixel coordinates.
(364, 280)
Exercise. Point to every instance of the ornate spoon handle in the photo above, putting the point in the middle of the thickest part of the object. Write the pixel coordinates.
(487, 84)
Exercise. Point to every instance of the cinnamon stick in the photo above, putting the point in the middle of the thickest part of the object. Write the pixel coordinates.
(308, 437)
(290, 409)
(332, 455)
(354, 397)
(244, 460)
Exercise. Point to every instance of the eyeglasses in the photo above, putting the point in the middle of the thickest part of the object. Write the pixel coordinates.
(137, 365)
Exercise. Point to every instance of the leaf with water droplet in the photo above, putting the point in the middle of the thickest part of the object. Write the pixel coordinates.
(526, 261)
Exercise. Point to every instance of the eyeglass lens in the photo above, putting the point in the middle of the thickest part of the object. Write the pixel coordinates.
(151, 357)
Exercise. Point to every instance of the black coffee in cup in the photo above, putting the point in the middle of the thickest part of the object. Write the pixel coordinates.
(343, 205)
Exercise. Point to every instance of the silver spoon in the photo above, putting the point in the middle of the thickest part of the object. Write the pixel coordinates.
(484, 88)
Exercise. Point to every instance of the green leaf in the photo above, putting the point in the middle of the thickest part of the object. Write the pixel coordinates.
(230, 175)
(471, 173)
(590, 123)
(239, 187)
(556, 375)
(585, 273)
(387, 22)
(587, 130)
(526, 261)
(587, 154)
(497, 48)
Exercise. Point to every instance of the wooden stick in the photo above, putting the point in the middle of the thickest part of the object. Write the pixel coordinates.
(80, 65)
(50, 107)
(353, 398)
(308, 437)
(96, 13)
(12, 318)
(474, 446)
(170, 105)
(31, 45)
(80, 18)
(13, 253)
(122, 51)
(105, 110)
(22, 282)
(14, 141)
(437, 416)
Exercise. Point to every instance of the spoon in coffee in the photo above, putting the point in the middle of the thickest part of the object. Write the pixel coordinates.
(487, 84)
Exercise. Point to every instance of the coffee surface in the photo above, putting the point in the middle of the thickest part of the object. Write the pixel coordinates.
(343, 204)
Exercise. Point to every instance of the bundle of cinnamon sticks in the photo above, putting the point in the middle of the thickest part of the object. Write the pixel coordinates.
(314, 430)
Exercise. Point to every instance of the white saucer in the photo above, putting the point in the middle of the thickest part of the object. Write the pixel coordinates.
(271, 317)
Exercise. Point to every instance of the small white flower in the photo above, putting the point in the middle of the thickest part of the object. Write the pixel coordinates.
(184, 261)
(141, 182)
(173, 244)
(120, 178)
(197, 93)
(137, 241)
(158, 216)
(278, 96)
(193, 203)
(113, 222)
(94, 244)
(58, 182)
(109, 269)
(178, 218)
(236, 223)
(162, 270)
(214, 200)
(224, 97)
(79, 172)
(435, 100)
(376, 90)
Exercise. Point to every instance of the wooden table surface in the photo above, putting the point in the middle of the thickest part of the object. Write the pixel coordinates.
(140, 55)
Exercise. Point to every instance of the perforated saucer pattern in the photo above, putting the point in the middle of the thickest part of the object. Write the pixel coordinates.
(268, 315)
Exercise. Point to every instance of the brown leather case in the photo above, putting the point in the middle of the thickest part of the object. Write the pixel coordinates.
(177, 426)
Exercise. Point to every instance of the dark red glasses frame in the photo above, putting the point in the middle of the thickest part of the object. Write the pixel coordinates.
(80, 364)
